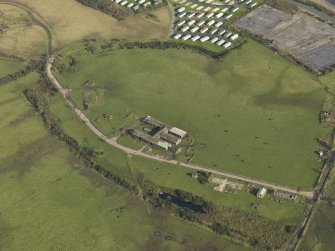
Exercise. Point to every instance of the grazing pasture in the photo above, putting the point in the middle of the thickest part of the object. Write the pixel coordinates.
(252, 113)
(44, 187)
(9, 66)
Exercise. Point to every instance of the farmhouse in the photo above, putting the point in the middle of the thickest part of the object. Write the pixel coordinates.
(153, 122)
(178, 132)
(170, 138)
(261, 192)
(284, 195)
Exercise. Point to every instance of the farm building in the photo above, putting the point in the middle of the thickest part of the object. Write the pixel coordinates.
(284, 195)
(170, 138)
(178, 132)
(153, 122)
(261, 192)
(151, 141)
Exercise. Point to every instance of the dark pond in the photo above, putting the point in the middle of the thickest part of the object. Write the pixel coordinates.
(180, 203)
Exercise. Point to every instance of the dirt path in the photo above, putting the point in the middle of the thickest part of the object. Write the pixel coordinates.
(113, 142)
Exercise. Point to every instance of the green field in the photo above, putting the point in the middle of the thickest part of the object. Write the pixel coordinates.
(252, 113)
(50, 201)
(9, 66)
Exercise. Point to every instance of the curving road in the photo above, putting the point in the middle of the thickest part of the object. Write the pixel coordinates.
(112, 141)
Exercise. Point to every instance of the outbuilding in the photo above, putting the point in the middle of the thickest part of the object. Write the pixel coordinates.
(178, 132)
(261, 192)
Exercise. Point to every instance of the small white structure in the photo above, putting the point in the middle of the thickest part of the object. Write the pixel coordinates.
(130, 5)
(181, 14)
(177, 36)
(194, 5)
(202, 22)
(204, 39)
(229, 16)
(186, 28)
(235, 9)
(195, 38)
(181, 9)
(178, 132)
(191, 22)
(226, 45)
(181, 22)
(186, 37)
(200, 7)
(196, 28)
(216, 9)
(204, 30)
(225, 10)
(218, 24)
(118, 1)
(222, 32)
(207, 8)
(234, 37)
(210, 23)
(214, 40)
(214, 31)
(219, 15)
(228, 34)
(136, 7)
(200, 15)
(209, 15)
(209, 1)
(124, 3)
(248, 2)
(253, 5)
(191, 14)
(221, 42)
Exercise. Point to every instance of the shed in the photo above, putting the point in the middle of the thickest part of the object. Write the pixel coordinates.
(163, 145)
(178, 132)
(261, 192)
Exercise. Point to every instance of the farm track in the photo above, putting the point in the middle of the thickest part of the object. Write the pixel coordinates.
(113, 141)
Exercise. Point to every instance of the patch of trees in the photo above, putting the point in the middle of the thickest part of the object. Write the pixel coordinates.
(108, 7)
(203, 177)
(239, 226)
(39, 99)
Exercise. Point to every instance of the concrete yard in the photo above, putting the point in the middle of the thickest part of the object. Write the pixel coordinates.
(307, 39)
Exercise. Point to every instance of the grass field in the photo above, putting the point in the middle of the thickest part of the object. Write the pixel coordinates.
(50, 201)
(69, 22)
(253, 113)
(8, 66)
(21, 35)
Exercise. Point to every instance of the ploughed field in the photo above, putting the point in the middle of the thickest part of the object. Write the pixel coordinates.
(252, 113)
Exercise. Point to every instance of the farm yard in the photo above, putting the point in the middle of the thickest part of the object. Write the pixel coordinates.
(307, 39)
(205, 22)
(263, 142)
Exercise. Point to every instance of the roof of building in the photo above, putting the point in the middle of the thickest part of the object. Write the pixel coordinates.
(163, 144)
(170, 138)
(261, 191)
(178, 131)
(144, 136)
(152, 121)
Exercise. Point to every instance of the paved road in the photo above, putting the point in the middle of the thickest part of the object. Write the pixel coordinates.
(113, 142)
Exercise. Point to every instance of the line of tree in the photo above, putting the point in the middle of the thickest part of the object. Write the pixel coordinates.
(239, 226)
(39, 98)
